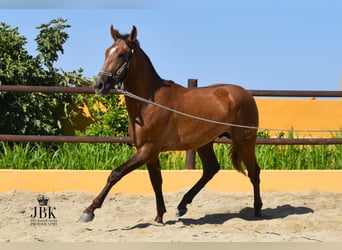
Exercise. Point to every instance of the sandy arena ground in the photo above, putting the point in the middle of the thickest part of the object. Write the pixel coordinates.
(213, 216)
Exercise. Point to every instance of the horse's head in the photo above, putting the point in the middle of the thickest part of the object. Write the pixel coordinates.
(117, 61)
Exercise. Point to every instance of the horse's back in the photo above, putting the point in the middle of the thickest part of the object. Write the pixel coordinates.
(227, 103)
(230, 96)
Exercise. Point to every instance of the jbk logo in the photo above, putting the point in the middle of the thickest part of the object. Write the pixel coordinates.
(43, 215)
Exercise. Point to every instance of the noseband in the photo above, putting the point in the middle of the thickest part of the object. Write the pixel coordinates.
(115, 76)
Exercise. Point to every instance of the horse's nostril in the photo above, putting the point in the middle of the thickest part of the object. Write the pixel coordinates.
(99, 85)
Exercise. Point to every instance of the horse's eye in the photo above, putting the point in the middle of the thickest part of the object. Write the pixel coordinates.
(121, 55)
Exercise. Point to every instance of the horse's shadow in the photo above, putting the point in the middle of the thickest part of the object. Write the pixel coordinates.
(245, 214)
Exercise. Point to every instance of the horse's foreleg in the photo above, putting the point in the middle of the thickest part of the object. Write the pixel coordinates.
(210, 168)
(156, 180)
(137, 160)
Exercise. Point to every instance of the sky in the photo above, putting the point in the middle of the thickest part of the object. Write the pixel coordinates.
(258, 44)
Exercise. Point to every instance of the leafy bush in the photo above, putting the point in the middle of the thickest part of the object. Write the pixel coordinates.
(110, 114)
(34, 113)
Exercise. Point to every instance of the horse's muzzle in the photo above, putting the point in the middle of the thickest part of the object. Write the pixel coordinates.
(102, 87)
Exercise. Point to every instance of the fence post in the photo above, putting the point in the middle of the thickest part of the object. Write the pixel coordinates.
(190, 154)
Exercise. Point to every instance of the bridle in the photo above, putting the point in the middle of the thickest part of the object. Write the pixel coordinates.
(116, 75)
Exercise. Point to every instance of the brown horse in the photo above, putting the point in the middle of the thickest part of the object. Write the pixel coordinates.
(155, 129)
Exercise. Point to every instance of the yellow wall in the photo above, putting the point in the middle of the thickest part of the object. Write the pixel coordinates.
(138, 182)
(300, 114)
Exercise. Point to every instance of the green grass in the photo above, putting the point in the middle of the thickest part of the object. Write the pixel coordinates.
(108, 156)
(300, 157)
(63, 156)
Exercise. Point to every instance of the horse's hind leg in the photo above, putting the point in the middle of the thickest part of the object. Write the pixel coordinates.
(246, 152)
(210, 168)
(255, 179)
(156, 180)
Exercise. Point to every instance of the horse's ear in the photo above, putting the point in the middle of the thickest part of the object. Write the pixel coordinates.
(114, 33)
(133, 36)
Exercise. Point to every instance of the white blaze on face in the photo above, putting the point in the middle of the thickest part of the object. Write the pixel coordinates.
(109, 58)
(112, 50)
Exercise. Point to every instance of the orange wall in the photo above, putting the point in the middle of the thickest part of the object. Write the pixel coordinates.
(300, 114)
(138, 182)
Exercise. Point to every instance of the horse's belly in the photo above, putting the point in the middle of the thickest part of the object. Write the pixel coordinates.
(191, 138)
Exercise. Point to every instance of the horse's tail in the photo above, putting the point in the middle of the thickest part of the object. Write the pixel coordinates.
(236, 160)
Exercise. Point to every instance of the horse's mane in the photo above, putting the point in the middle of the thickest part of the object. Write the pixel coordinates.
(137, 43)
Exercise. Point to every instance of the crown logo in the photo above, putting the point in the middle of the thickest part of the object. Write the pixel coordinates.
(42, 200)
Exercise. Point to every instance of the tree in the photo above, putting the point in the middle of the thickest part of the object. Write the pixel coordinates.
(39, 113)
(35, 113)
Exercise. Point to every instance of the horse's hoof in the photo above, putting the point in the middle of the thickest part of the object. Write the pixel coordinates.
(86, 217)
(181, 212)
(159, 219)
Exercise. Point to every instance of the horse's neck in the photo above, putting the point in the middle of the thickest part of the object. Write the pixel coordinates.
(144, 83)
